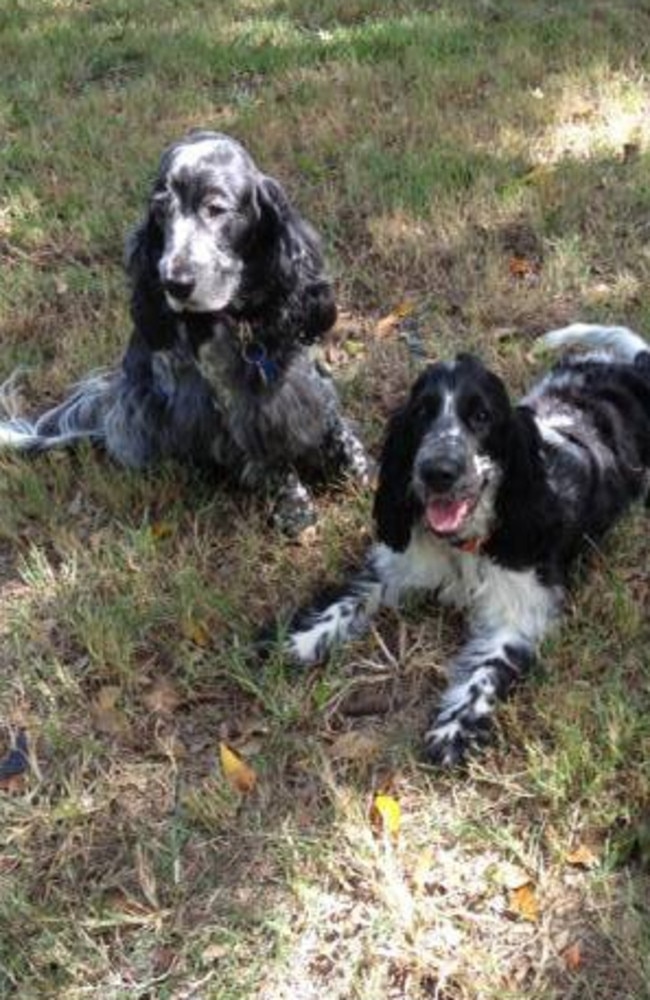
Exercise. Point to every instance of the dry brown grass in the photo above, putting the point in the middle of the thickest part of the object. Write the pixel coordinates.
(432, 145)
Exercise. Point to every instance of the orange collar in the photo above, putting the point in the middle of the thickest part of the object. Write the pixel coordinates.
(472, 545)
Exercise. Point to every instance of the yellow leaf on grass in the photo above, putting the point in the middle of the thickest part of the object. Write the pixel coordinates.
(161, 529)
(582, 856)
(238, 773)
(196, 632)
(387, 809)
(524, 903)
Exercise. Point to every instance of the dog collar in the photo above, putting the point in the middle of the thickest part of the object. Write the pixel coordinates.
(254, 354)
(471, 545)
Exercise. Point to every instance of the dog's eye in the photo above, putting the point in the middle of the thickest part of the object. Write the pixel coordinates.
(213, 209)
(480, 416)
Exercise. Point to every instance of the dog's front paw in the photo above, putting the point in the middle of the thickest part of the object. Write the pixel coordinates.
(464, 720)
(448, 742)
(360, 466)
(294, 509)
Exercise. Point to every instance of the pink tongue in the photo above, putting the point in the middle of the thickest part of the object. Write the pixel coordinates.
(445, 516)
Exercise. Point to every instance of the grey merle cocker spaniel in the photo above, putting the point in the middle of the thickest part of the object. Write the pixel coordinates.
(487, 505)
(228, 289)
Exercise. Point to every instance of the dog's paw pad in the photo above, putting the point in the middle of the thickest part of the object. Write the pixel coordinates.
(449, 741)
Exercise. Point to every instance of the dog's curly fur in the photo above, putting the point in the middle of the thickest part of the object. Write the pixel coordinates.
(488, 505)
(228, 289)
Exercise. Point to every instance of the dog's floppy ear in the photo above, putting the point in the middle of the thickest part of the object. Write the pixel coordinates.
(151, 315)
(298, 260)
(528, 520)
(395, 505)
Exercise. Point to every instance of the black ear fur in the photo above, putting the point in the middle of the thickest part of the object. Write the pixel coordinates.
(395, 506)
(298, 260)
(153, 318)
(528, 518)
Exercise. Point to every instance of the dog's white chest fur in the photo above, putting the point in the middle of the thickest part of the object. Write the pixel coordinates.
(496, 596)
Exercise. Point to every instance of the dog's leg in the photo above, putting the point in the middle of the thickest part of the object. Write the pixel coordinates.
(482, 675)
(511, 617)
(293, 507)
(340, 615)
(349, 453)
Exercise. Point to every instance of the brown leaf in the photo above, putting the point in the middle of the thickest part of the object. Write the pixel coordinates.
(355, 745)
(582, 856)
(573, 957)
(121, 902)
(238, 773)
(106, 716)
(308, 537)
(387, 324)
(522, 267)
(161, 529)
(13, 784)
(214, 952)
(162, 697)
(524, 903)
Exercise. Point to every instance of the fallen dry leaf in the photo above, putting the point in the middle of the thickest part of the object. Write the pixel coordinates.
(387, 814)
(106, 716)
(524, 903)
(582, 856)
(13, 784)
(523, 267)
(307, 537)
(161, 529)
(214, 952)
(162, 697)
(355, 745)
(573, 957)
(238, 773)
(196, 632)
(387, 324)
(509, 876)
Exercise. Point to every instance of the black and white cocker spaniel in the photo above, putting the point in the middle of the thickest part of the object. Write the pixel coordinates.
(487, 505)
(228, 289)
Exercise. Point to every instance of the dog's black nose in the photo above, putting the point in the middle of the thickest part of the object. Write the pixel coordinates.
(440, 474)
(178, 289)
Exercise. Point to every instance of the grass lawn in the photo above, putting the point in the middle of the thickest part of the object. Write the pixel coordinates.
(480, 172)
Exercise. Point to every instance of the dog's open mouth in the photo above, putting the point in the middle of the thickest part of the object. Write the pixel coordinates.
(446, 516)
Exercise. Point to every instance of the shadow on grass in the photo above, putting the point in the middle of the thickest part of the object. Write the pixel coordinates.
(129, 864)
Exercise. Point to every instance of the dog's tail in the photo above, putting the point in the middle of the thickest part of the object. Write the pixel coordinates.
(80, 416)
(619, 340)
